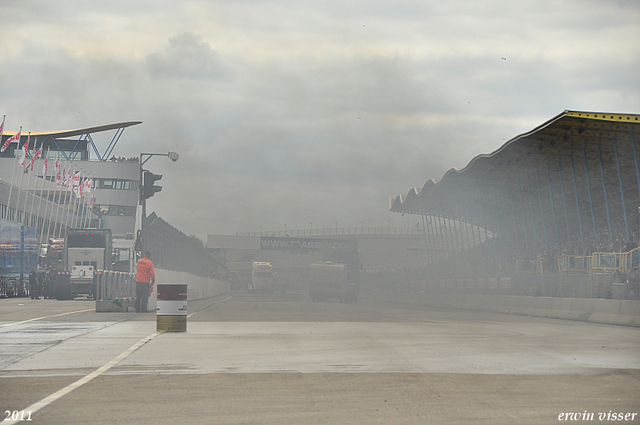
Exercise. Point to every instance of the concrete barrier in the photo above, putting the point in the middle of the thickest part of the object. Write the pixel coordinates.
(118, 305)
(197, 287)
(617, 312)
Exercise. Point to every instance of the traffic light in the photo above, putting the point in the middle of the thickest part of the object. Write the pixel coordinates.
(148, 187)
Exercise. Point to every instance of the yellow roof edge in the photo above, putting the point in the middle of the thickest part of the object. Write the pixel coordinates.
(77, 131)
(604, 116)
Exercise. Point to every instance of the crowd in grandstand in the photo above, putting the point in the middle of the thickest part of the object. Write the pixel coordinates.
(123, 159)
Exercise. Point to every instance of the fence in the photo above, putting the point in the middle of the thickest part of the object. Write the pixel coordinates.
(575, 264)
(173, 250)
(342, 231)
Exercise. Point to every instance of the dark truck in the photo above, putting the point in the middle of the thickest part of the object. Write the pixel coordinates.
(338, 276)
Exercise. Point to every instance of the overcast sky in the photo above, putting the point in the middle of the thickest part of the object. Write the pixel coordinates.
(310, 113)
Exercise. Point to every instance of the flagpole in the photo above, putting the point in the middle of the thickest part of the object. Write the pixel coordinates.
(57, 194)
(72, 200)
(66, 202)
(74, 219)
(45, 163)
(89, 203)
(79, 199)
(52, 202)
(26, 196)
(25, 147)
(90, 206)
(69, 195)
(63, 219)
(15, 159)
(93, 197)
(46, 205)
(83, 218)
(2, 133)
(38, 153)
(18, 218)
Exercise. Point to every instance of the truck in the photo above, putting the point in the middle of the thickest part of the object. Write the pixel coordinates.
(238, 279)
(124, 255)
(338, 276)
(18, 254)
(86, 253)
(262, 277)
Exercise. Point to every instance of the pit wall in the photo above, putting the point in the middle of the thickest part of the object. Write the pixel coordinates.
(617, 312)
(197, 287)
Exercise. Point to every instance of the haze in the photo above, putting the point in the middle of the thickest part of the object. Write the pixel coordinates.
(310, 114)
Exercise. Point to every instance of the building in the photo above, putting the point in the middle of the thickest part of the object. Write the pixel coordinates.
(33, 199)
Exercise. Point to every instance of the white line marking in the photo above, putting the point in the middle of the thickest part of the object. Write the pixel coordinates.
(46, 317)
(217, 302)
(66, 390)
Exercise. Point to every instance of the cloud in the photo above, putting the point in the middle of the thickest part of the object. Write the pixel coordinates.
(186, 57)
(303, 113)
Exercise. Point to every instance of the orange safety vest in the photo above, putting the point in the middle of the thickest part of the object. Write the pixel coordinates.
(145, 271)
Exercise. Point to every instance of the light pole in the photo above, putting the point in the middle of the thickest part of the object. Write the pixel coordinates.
(173, 156)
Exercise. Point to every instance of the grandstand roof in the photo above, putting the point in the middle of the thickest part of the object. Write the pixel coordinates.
(573, 173)
(54, 139)
(78, 132)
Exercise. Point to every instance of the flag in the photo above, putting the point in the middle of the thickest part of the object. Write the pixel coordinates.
(2, 131)
(67, 177)
(88, 182)
(35, 156)
(93, 198)
(44, 167)
(56, 170)
(25, 149)
(78, 191)
(14, 138)
(75, 183)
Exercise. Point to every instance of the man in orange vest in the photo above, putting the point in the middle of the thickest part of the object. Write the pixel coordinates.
(145, 277)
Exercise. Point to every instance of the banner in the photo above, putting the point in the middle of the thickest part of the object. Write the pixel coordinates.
(301, 244)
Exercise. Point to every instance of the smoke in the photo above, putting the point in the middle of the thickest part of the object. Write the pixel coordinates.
(310, 114)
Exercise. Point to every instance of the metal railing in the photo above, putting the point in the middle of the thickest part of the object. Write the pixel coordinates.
(608, 261)
(112, 284)
(342, 231)
(599, 262)
(575, 264)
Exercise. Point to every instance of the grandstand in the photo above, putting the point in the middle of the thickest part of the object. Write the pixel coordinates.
(563, 197)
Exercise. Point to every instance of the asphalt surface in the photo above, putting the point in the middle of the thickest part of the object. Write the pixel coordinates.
(272, 359)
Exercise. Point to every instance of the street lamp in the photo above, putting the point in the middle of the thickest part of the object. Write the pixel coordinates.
(143, 195)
